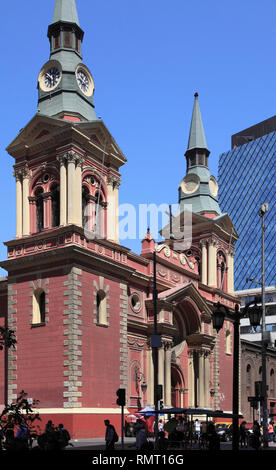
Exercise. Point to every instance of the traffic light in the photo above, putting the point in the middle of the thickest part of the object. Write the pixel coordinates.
(258, 389)
(121, 394)
(161, 405)
(159, 391)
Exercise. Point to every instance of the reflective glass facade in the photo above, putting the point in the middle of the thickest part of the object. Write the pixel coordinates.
(246, 180)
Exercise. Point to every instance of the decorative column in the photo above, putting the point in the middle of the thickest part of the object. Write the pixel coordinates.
(230, 272)
(207, 378)
(78, 191)
(18, 176)
(71, 187)
(161, 364)
(191, 379)
(63, 189)
(25, 202)
(168, 382)
(47, 213)
(201, 379)
(204, 262)
(212, 263)
(113, 184)
(150, 388)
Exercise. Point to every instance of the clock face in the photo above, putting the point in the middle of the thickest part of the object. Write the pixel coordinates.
(190, 184)
(51, 77)
(84, 80)
(213, 185)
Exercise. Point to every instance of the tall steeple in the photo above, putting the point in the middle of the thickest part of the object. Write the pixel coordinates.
(66, 11)
(197, 139)
(198, 188)
(65, 84)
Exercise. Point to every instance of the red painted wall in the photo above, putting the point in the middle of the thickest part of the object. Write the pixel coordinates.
(40, 349)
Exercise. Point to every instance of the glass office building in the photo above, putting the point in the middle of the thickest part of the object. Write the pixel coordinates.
(247, 180)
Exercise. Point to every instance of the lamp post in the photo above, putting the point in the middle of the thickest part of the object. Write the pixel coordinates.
(263, 210)
(254, 314)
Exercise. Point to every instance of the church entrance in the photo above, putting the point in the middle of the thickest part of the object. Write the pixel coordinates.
(177, 387)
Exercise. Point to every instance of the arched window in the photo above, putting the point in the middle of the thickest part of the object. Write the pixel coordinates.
(85, 209)
(101, 308)
(99, 216)
(39, 210)
(55, 206)
(38, 307)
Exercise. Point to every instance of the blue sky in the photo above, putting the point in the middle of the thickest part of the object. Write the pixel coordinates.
(148, 58)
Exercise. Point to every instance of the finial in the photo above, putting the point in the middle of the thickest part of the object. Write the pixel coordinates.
(196, 94)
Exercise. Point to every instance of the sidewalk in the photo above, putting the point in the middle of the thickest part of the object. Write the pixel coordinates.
(129, 444)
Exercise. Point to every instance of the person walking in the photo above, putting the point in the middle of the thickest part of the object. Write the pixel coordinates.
(22, 437)
(256, 441)
(111, 435)
(141, 437)
(270, 430)
(243, 434)
(63, 436)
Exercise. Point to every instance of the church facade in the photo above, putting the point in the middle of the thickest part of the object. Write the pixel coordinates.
(80, 303)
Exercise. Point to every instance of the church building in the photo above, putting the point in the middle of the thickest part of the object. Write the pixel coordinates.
(80, 303)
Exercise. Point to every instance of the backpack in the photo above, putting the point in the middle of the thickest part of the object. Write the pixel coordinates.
(116, 437)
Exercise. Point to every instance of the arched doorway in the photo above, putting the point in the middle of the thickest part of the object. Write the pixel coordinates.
(177, 386)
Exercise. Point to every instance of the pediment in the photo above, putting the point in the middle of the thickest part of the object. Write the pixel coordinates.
(180, 293)
(35, 133)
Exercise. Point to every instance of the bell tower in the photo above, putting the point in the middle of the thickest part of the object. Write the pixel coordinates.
(66, 161)
(66, 269)
(65, 84)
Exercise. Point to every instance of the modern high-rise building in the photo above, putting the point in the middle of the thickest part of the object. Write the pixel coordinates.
(247, 180)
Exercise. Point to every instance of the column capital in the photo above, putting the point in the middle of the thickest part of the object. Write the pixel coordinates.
(71, 156)
(18, 174)
(25, 173)
(114, 181)
(62, 159)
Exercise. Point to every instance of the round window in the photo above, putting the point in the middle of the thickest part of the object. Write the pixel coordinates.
(135, 302)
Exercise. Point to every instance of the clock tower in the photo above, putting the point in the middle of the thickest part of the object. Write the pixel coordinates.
(199, 188)
(66, 269)
(65, 84)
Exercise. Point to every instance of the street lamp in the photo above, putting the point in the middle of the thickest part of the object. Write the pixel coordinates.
(263, 211)
(219, 315)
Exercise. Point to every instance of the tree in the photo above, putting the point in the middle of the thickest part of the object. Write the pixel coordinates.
(20, 413)
(7, 338)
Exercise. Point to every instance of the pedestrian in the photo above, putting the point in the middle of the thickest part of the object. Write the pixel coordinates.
(213, 438)
(49, 426)
(22, 437)
(243, 434)
(160, 425)
(111, 435)
(256, 440)
(162, 442)
(197, 429)
(270, 430)
(64, 436)
(141, 436)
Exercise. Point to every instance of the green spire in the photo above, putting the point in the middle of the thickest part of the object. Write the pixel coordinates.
(198, 188)
(197, 138)
(66, 10)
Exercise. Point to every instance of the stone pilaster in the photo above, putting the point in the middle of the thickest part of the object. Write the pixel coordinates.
(72, 344)
(12, 352)
(123, 335)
